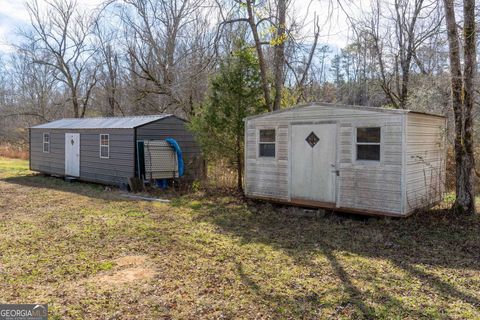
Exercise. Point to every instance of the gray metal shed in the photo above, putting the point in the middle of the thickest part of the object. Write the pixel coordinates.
(104, 150)
(358, 159)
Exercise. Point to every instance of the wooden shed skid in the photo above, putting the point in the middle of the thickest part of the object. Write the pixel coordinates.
(331, 206)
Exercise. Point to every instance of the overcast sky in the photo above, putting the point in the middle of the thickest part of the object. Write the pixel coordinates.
(335, 28)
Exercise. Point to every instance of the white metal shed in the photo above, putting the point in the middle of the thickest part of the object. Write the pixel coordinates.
(359, 159)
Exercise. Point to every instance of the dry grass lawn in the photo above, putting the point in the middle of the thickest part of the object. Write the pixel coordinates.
(91, 254)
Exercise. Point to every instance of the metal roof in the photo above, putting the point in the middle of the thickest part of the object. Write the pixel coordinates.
(101, 123)
(343, 106)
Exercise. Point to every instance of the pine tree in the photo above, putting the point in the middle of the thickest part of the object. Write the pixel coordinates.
(235, 93)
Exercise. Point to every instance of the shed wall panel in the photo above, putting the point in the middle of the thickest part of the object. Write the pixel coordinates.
(52, 162)
(425, 161)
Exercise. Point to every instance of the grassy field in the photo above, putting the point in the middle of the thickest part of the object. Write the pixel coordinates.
(91, 254)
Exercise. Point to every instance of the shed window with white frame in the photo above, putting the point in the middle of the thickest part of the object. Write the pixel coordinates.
(46, 142)
(266, 143)
(368, 143)
(104, 146)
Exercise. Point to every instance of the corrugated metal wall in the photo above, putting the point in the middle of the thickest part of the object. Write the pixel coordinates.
(114, 170)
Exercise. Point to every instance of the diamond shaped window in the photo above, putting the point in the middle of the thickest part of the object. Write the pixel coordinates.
(312, 139)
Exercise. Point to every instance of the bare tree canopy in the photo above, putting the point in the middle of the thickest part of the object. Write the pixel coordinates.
(61, 38)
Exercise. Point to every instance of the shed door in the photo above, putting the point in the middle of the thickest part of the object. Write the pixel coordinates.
(72, 154)
(313, 148)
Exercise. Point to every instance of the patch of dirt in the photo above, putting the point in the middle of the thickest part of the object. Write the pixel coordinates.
(131, 261)
(126, 275)
(127, 269)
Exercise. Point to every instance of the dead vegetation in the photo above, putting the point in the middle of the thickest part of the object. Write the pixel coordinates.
(89, 253)
(13, 152)
(126, 269)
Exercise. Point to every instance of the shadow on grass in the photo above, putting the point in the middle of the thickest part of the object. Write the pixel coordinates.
(426, 240)
(58, 184)
(90, 189)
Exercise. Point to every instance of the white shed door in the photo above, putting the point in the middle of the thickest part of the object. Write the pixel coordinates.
(313, 148)
(72, 154)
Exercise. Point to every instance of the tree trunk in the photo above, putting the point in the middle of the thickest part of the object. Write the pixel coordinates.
(112, 64)
(301, 83)
(469, 73)
(239, 166)
(462, 103)
(76, 107)
(279, 59)
(111, 104)
(261, 58)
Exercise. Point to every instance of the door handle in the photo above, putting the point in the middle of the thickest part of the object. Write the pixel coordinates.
(337, 172)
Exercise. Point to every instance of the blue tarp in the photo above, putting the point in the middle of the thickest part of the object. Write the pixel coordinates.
(175, 146)
(161, 183)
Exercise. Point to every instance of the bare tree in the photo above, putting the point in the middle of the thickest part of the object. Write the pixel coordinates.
(109, 65)
(279, 59)
(28, 96)
(162, 37)
(260, 19)
(397, 32)
(254, 25)
(61, 34)
(299, 58)
(34, 86)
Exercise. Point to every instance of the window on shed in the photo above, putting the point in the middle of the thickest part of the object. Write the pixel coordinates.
(46, 142)
(266, 143)
(104, 146)
(368, 143)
